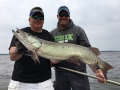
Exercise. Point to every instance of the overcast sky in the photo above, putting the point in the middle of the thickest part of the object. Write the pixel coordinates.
(99, 18)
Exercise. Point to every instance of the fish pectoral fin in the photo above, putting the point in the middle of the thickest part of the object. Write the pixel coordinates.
(35, 57)
(95, 50)
(75, 60)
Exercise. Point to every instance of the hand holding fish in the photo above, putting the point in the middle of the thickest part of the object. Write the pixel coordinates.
(17, 51)
(100, 75)
(75, 61)
(20, 48)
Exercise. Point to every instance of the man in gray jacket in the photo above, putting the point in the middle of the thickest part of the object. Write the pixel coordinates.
(68, 32)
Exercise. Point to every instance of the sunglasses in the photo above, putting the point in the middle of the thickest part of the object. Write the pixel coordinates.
(36, 17)
(66, 15)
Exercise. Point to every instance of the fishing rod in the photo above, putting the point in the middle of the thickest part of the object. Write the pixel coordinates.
(78, 72)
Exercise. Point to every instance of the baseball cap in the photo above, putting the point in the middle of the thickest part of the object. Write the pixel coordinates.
(36, 10)
(63, 8)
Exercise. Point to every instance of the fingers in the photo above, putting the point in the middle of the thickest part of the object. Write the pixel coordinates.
(100, 75)
(102, 80)
(69, 60)
(76, 61)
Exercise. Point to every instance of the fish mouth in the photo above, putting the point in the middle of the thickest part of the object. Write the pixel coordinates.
(27, 39)
(20, 34)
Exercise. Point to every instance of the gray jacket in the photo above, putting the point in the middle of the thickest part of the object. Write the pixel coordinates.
(71, 34)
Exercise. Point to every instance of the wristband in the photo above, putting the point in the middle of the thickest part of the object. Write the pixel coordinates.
(97, 67)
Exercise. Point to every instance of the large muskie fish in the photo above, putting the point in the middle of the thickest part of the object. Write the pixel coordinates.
(61, 51)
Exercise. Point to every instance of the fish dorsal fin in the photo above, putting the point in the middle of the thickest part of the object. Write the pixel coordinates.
(95, 50)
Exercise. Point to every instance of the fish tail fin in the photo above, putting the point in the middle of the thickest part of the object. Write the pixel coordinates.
(106, 68)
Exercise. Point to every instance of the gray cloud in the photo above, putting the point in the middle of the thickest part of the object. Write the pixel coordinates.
(99, 19)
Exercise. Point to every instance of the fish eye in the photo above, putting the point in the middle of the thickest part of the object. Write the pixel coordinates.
(28, 34)
(17, 31)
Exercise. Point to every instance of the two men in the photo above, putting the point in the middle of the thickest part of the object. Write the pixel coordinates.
(30, 76)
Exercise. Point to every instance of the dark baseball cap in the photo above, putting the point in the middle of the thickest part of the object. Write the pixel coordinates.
(63, 8)
(33, 11)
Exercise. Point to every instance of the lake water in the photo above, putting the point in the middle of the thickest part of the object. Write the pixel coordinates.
(113, 58)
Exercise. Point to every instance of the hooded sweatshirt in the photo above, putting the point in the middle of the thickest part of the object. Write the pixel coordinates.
(71, 34)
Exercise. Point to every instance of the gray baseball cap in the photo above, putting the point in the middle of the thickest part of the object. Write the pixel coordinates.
(36, 10)
(63, 8)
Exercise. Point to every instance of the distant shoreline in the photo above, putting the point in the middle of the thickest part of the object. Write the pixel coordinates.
(109, 51)
(4, 54)
(100, 51)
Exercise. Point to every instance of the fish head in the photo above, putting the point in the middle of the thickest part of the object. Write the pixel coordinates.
(29, 41)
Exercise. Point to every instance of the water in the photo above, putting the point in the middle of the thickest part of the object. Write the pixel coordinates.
(113, 58)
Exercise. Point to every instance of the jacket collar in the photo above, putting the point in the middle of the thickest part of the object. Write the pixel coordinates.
(70, 24)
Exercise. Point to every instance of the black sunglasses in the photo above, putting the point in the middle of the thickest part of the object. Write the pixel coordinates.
(66, 15)
(36, 17)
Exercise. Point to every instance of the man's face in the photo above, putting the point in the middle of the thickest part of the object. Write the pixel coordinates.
(63, 18)
(36, 20)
